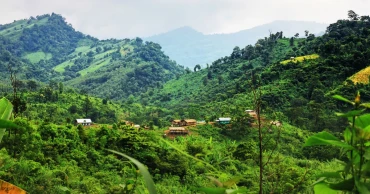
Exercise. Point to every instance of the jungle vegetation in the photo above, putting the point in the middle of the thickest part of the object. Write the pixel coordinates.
(302, 82)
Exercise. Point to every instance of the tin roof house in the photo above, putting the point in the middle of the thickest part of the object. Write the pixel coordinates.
(83, 122)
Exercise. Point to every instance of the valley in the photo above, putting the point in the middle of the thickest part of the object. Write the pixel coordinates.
(314, 88)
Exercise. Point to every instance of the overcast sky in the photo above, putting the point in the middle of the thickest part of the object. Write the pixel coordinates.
(131, 18)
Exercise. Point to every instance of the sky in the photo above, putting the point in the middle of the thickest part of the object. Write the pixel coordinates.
(106, 19)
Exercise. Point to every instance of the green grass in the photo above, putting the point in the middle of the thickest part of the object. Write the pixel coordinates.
(95, 66)
(15, 29)
(38, 56)
(300, 59)
(82, 49)
(60, 68)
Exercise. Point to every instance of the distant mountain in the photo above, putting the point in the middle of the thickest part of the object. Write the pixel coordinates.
(189, 47)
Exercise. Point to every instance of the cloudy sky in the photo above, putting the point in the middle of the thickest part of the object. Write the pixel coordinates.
(130, 18)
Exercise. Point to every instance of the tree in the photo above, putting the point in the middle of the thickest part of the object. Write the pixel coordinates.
(236, 53)
(87, 106)
(296, 35)
(72, 109)
(32, 85)
(306, 32)
(220, 79)
(53, 84)
(197, 67)
(205, 81)
(291, 41)
(61, 87)
(352, 15)
(209, 74)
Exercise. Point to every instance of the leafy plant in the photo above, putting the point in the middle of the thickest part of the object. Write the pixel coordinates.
(147, 178)
(356, 145)
(6, 109)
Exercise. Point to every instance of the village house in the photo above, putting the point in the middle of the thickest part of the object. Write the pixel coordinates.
(223, 120)
(176, 123)
(188, 122)
(177, 130)
(83, 122)
(252, 113)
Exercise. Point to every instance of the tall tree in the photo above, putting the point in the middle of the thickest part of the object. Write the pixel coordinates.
(306, 32)
(291, 41)
(87, 106)
(352, 15)
(61, 87)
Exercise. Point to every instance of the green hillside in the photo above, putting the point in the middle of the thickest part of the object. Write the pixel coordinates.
(50, 49)
(299, 89)
(298, 140)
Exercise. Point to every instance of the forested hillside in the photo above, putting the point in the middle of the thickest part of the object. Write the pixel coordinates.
(190, 47)
(299, 88)
(298, 140)
(50, 49)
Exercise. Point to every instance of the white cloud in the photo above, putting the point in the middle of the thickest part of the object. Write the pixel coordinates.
(130, 18)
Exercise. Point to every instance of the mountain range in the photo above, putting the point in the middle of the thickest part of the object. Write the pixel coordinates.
(189, 47)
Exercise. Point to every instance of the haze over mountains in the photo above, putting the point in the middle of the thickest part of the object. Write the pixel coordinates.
(189, 47)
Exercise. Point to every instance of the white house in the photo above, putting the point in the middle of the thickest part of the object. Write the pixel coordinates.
(224, 120)
(84, 122)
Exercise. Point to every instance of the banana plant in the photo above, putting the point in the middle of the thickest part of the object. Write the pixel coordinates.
(353, 178)
(6, 109)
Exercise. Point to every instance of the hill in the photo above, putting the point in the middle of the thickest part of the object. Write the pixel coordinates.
(300, 89)
(48, 48)
(46, 154)
(189, 47)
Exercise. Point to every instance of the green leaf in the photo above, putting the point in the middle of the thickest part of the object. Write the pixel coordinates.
(7, 124)
(362, 121)
(321, 179)
(350, 113)
(147, 178)
(361, 187)
(347, 135)
(186, 154)
(323, 188)
(236, 191)
(366, 105)
(215, 181)
(341, 98)
(346, 185)
(325, 138)
(367, 154)
(231, 182)
(330, 175)
(6, 109)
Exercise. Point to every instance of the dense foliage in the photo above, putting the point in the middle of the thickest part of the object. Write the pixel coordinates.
(295, 78)
(50, 49)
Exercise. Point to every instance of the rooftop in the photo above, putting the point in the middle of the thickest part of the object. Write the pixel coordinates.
(83, 121)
